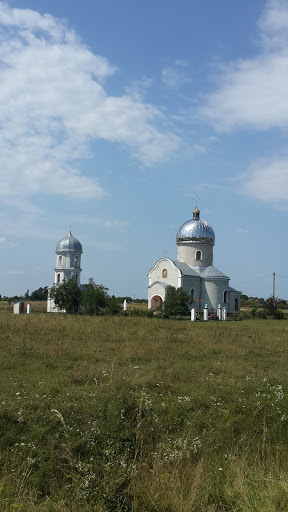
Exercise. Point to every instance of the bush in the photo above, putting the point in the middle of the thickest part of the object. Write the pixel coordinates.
(279, 315)
(235, 316)
(261, 314)
(176, 302)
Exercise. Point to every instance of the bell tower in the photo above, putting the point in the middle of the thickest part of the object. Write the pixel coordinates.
(68, 259)
(68, 265)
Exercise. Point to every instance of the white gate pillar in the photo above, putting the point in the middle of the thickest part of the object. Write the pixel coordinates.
(219, 311)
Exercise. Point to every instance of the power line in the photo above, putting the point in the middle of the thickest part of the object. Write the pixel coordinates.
(253, 280)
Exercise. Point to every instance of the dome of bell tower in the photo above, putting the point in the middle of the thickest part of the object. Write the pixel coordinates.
(69, 243)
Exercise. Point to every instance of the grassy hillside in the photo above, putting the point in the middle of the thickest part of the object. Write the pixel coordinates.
(135, 414)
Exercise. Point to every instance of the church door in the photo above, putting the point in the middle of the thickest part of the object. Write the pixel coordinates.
(236, 305)
(156, 301)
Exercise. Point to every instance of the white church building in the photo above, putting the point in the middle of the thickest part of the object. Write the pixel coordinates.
(193, 271)
(68, 265)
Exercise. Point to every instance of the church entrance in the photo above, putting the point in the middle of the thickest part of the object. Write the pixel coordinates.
(236, 305)
(156, 302)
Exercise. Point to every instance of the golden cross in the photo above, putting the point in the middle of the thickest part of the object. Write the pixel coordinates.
(196, 199)
(199, 300)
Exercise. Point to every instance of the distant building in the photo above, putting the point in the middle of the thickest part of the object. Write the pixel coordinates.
(194, 271)
(68, 265)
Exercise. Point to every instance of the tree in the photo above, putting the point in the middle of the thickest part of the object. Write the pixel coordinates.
(176, 301)
(95, 298)
(40, 294)
(67, 296)
(271, 306)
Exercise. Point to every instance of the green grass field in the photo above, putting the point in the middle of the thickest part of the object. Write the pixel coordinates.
(137, 414)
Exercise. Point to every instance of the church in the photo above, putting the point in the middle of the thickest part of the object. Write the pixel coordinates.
(193, 271)
(68, 265)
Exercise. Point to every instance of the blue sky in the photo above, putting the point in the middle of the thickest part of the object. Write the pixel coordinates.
(114, 115)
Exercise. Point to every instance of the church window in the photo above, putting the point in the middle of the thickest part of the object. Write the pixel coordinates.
(58, 278)
(192, 294)
(225, 296)
(76, 261)
(76, 278)
(164, 273)
(60, 260)
(198, 255)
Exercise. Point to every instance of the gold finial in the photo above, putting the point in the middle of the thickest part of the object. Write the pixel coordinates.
(196, 211)
(196, 199)
(165, 253)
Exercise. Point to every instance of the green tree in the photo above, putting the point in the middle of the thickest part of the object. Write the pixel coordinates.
(271, 307)
(40, 294)
(114, 306)
(176, 302)
(95, 298)
(67, 296)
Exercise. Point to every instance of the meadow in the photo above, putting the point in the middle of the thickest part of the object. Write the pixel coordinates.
(111, 414)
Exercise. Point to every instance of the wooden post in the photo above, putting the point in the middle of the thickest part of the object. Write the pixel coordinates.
(199, 300)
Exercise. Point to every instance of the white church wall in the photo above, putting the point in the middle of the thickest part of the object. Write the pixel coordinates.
(158, 273)
(212, 292)
(191, 283)
(187, 254)
(231, 306)
(156, 289)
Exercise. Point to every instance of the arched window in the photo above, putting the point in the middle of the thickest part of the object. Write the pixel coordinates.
(225, 296)
(198, 255)
(76, 261)
(164, 273)
(60, 260)
(192, 294)
(58, 278)
(76, 278)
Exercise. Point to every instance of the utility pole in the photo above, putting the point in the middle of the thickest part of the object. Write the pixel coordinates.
(273, 285)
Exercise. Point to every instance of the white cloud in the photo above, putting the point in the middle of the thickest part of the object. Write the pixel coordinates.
(267, 181)
(273, 24)
(253, 92)
(53, 104)
(138, 88)
(3, 239)
(173, 77)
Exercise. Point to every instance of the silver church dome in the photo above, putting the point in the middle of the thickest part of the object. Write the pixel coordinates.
(69, 243)
(196, 230)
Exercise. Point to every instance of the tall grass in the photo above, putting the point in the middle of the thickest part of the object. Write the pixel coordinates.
(135, 414)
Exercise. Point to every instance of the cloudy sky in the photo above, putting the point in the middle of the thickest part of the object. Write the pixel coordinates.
(115, 115)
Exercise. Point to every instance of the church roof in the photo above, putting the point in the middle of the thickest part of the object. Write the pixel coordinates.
(196, 230)
(158, 282)
(69, 243)
(233, 290)
(185, 269)
(211, 272)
